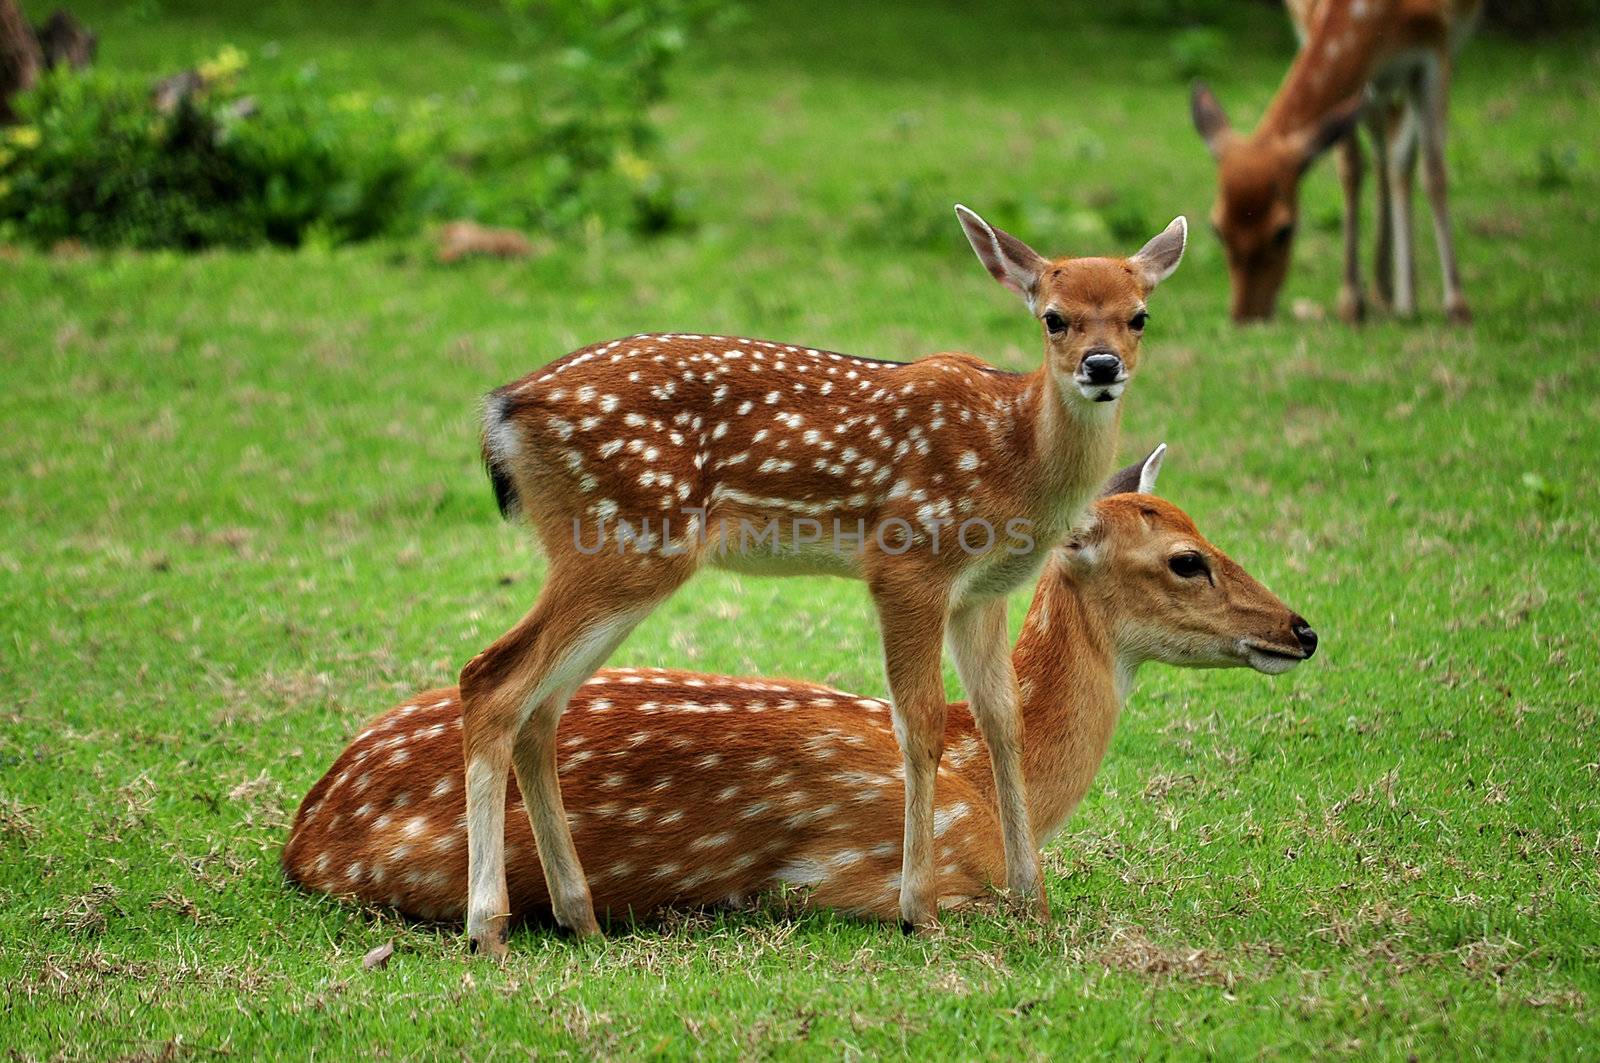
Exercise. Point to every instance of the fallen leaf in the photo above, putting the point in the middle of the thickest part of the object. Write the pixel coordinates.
(378, 957)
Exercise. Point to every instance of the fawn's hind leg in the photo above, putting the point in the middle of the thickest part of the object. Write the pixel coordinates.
(513, 694)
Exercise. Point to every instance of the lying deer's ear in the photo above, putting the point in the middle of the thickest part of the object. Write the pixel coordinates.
(1082, 549)
(1140, 477)
(1210, 121)
(1008, 260)
(1151, 469)
(1157, 259)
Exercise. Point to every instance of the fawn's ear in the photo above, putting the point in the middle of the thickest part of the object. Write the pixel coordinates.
(1157, 259)
(1334, 127)
(1140, 477)
(1210, 121)
(1008, 260)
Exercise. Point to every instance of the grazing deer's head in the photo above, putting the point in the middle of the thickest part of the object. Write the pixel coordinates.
(1257, 206)
(1173, 596)
(1092, 309)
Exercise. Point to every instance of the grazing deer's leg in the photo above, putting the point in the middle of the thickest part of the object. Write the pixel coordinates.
(1351, 303)
(518, 686)
(982, 652)
(1432, 111)
(1402, 167)
(1383, 239)
(912, 623)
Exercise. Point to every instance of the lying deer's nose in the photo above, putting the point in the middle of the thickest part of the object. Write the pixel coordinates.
(1101, 368)
(1303, 632)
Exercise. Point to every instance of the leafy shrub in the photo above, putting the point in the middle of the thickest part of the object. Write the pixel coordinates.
(277, 157)
(584, 147)
(95, 160)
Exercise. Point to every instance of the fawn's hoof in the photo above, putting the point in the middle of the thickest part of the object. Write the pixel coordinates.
(1352, 308)
(489, 943)
(579, 921)
(919, 918)
(927, 928)
(1458, 314)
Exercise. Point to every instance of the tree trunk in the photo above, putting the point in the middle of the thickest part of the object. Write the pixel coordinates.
(20, 59)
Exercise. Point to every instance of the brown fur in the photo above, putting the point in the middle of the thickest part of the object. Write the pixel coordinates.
(1401, 50)
(696, 790)
(746, 432)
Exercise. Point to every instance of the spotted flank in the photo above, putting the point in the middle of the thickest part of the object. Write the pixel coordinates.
(665, 812)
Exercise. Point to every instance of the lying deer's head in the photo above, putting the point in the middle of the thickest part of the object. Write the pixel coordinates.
(1092, 309)
(1170, 595)
(1257, 207)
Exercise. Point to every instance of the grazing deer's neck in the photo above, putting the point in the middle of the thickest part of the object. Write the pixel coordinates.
(1336, 61)
(1073, 688)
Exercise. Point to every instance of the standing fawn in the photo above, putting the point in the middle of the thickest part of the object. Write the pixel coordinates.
(633, 459)
(694, 790)
(1385, 62)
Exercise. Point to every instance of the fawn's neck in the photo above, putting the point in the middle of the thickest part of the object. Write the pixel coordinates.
(1073, 688)
(1073, 443)
(1336, 62)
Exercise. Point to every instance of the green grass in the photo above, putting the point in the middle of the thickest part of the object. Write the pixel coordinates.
(242, 512)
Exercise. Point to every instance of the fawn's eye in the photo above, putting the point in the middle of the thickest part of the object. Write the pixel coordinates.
(1137, 322)
(1284, 234)
(1188, 565)
(1055, 323)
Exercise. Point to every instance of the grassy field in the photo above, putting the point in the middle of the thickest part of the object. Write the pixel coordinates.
(242, 512)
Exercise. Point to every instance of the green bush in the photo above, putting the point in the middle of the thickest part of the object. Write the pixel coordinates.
(584, 146)
(95, 160)
(572, 144)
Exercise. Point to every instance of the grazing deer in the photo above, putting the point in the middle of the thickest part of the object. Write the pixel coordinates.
(694, 790)
(1385, 62)
(635, 460)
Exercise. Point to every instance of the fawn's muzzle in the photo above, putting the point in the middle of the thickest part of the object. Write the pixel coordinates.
(1100, 368)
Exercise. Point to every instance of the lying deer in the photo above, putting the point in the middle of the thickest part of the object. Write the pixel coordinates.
(634, 459)
(1385, 61)
(693, 790)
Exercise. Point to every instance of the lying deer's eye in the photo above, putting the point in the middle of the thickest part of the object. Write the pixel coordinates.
(1284, 234)
(1138, 320)
(1055, 323)
(1188, 565)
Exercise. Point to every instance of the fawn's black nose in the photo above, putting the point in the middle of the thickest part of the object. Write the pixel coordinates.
(1101, 367)
(1303, 632)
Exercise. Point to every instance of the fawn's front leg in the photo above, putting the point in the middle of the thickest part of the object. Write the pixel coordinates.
(912, 624)
(982, 652)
